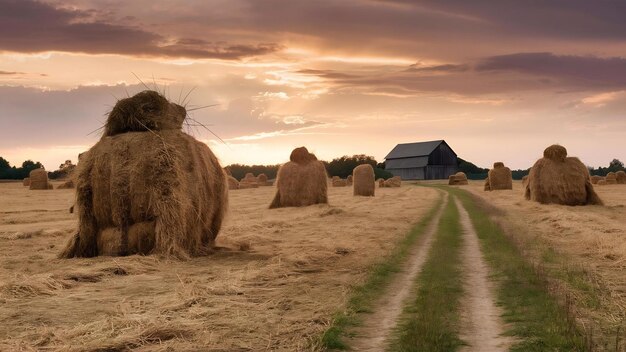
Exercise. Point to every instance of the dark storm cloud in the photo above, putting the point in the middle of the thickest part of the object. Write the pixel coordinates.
(496, 74)
(11, 73)
(571, 70)
(30, 26)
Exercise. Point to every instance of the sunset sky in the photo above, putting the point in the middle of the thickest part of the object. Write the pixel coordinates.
(498, 80)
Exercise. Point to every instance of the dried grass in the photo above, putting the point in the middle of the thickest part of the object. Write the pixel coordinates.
(363, 180)
(147, 187)
(620, 177)
(301, 181)
(499, 178)
(559, 179)
(39, 180)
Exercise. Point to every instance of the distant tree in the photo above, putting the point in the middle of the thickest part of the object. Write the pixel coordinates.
(8, 172)
(614, 166)
(239, 171)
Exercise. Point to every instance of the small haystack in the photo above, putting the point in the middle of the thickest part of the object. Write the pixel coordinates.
(557, 178)
(524, 181)
(232, 182)
(595, 179)
(458, 179)
(611, 178)
(499, 178)
(39, 179)
(302, 181)
(249, 181)
(620, 176)
(338, 182)
(601, 182)
(363, 179)
(67, 185)
(26, 182)
(146, 187)
(262, 180)
(349, 180)
(381, 182)
(395, 181)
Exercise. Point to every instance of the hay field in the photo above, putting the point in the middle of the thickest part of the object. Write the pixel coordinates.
(582, 239)
(274, 284)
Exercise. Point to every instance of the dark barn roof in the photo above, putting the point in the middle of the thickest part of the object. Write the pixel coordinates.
(414, 150)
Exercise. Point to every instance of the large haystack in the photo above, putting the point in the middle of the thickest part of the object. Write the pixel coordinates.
(26, 182)
(620, 177)
(232, 182)
(611, 178)
(559, 179)
(458, 179)
(147, 187)
(499, 178)
(39, 179)
(363, 180)
(302, 181)
(595, 179)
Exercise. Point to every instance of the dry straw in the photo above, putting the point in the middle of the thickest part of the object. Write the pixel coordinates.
(302, 181)
(499, 178)
(595, 179)
(338, 182)
(232, 182)
(147, 187)
(525, 181)
(39, 180)
(395, 181)
(67, 185)
(559, 179)
(458, 179)
(620, 177)
(26, 182)
(262, 180)
(611, 178)
(363, 180)
(349, 180)
(249, 181)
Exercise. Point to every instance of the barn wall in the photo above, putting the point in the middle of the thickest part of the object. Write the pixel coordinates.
(439, 172)
(442, 155)
(414, 173)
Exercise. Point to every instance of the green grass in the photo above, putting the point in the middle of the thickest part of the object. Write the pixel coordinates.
(363, 296)
(430, 321)
(536, 317)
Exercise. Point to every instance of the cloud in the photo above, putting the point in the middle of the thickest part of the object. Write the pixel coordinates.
(11, 73)
(577, 71)
(28, 26)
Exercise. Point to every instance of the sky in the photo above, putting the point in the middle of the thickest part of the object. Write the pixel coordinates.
(498, 80)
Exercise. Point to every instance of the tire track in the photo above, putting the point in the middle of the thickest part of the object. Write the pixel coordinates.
(481, 325)
(374, 332)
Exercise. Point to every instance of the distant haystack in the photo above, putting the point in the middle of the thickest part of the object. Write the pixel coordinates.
(395, 181)
(595, 179)
(559, 179)
(458, 179)
(249, 181)
(620, 176)
(363, 179)
(611, 178)
(524, 181)
(39, 179)
(232, 182)
(302, 181)
(338, 182)
(262, 180)
(601, 182)
(26, 182)
(349, 180)
(146, 187)
(381, 182)
(499, 178)
(67, 185)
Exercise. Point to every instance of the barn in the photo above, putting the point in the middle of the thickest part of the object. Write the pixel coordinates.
(422, 161)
